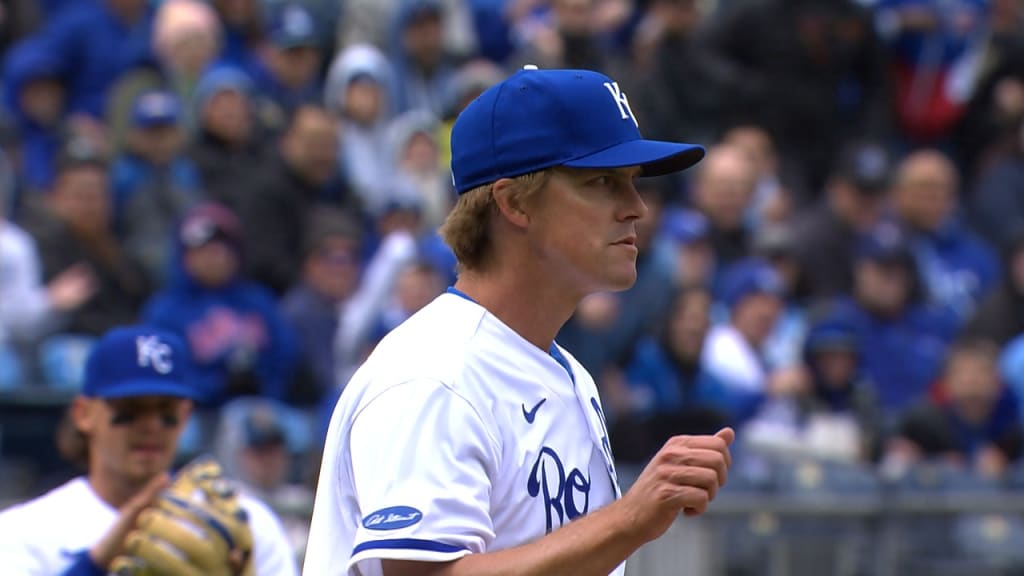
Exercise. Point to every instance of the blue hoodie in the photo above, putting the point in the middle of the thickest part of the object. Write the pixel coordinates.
(29, 61)
(221, 326)
(902, 356)
(95, 48)
(670, 389)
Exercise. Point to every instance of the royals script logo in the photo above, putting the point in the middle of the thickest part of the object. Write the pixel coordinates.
(565, 496)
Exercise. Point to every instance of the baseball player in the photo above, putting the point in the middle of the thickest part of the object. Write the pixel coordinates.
(469, 442)
(133, 406)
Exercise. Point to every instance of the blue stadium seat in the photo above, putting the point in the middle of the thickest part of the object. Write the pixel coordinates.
(11, 373)
(62, 360)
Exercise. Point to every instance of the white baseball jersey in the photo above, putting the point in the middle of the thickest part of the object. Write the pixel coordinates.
(42, 537)
(456, 436)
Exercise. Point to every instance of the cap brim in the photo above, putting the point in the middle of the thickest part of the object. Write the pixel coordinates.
(654, 157)
(151, 387)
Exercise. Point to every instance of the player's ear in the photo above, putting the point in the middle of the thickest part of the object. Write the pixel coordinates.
(83, 413)
(506, 196)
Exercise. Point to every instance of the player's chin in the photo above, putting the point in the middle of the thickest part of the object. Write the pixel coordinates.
(621, 277)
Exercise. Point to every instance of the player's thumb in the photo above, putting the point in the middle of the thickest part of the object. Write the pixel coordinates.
(727, 434)
(104, 551)
(146, 496)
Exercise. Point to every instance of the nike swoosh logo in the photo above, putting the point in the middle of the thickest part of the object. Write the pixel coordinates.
(533, 412)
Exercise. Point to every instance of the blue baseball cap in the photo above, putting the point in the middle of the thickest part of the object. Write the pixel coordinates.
(138, 361)
(537, 119)
(748, 278)
(686, 226)
(156, 108)
(294, 27)
(886, 243)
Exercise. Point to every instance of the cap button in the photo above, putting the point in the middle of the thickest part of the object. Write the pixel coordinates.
(530, 67)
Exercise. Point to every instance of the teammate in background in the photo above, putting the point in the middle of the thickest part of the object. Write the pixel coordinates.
(127, 420)
(469, 442)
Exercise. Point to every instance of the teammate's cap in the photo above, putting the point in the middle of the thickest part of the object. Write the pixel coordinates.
(537, 119)
(138, 361)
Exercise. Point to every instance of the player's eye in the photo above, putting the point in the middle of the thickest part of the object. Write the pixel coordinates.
(126, 415)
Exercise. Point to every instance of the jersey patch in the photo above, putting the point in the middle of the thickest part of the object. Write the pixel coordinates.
(392, 518)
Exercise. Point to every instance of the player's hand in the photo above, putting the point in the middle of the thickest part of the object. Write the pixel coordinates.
(104, 552)
(684, 476)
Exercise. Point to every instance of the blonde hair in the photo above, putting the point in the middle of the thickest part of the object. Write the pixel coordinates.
(467, 229)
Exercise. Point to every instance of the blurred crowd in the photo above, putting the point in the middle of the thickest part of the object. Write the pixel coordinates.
(842, 277)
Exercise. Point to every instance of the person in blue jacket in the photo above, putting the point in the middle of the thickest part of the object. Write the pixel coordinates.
(240, 342)
(35, 97)
(668, 391)
(958, 269)
(286, 71)
(95, 42)
(903, 339)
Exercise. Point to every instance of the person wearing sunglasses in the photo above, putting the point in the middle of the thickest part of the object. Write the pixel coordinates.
(135, 400)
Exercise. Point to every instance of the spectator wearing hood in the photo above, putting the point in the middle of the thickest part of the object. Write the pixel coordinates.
(667, 389)
(94, 42)
(903, 339)
(35, 96)
(972, 424)
(826, 236)
(735, 354)
(287, 69)
(957, 268)
(153, 181)
(303, 175)
(360, 94)
(836, 417)
(415, 153)
(240, 343)
(72, 225)
(229, 150)
(424, 69)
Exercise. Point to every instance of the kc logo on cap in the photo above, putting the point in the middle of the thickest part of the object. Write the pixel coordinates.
(139, 361)
(151, 352)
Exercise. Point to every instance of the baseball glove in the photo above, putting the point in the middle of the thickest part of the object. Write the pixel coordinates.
(196, 528)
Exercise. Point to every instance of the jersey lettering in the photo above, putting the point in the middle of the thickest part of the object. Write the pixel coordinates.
(561, 494)
(621, 101)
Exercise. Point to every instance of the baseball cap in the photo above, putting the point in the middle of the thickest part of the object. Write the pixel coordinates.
(293, 27)
(208, 222)
(833, 331)
(867, 166)
(686, 226)
(748, 278)
(155, 108)
(885, 243)
(537, 119)
(263, 428)
(138, 361)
